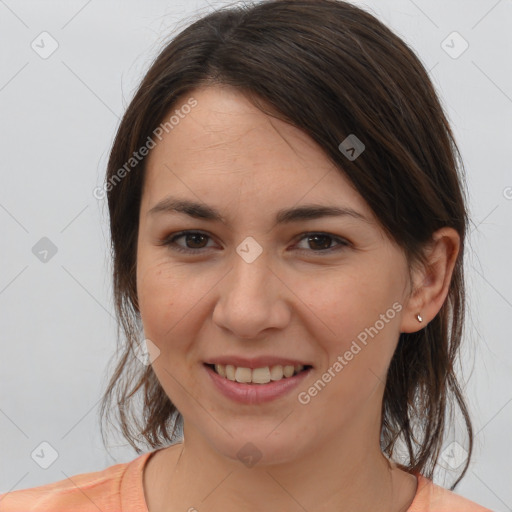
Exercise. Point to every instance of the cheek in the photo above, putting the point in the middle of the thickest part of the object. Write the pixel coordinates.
(357, 315)
(165, 296)
(154, 290)
(167, 299)
(345, 303)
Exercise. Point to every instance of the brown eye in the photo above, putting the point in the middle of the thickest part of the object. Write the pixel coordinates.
(322, 242)
(195, 241)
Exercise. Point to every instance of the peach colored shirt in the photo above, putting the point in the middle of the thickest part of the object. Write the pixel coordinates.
(119, 488)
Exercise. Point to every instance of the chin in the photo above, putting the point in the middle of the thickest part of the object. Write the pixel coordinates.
(256, 447)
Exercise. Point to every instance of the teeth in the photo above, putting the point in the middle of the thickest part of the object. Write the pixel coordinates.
(276, 372)
(288, 371)
(257, 375)
(230, 371)
(243, 375)
(221, 370)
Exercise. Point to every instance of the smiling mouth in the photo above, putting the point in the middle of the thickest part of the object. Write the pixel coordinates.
(262, 375)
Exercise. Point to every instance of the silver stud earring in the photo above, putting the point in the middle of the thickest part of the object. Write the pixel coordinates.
(419, 317)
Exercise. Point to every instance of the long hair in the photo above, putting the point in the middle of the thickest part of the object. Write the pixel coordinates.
(330, 69)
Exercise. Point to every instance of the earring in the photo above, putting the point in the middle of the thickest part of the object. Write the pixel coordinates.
(420, 319)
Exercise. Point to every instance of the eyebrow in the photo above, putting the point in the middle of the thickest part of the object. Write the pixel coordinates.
(284, 216)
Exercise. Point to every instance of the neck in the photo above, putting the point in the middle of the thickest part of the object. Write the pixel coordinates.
(344, 472)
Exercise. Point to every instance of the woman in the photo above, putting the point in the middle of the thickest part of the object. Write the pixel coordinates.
(288, 226)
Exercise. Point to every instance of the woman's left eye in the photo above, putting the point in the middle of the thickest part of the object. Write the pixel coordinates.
(324, 240)
(317, 241)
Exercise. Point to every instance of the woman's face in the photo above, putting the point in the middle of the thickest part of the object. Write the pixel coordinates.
(250, 287)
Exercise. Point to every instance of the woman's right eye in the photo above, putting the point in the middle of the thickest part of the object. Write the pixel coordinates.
(194, 238)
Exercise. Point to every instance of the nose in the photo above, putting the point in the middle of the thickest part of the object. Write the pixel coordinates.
(252, 299)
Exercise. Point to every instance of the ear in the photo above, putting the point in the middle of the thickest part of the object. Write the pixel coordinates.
(431, 282)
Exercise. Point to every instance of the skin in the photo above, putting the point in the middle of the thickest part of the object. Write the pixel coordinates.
(291, 301)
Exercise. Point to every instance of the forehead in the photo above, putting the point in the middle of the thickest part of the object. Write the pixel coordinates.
(225, 144)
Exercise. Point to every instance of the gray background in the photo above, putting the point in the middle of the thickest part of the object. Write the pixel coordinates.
(58, 119)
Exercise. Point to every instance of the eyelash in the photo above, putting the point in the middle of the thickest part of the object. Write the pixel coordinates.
(170, 242)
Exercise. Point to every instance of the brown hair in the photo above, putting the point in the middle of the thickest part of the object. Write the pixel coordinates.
(331, 69)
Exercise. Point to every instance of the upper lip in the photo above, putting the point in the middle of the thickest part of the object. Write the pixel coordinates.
(255, 362)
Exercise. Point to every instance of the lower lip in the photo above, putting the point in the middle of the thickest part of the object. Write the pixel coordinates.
(255, 394)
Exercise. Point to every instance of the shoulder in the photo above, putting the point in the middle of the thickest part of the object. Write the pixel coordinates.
(85, 492)
(434, 498)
